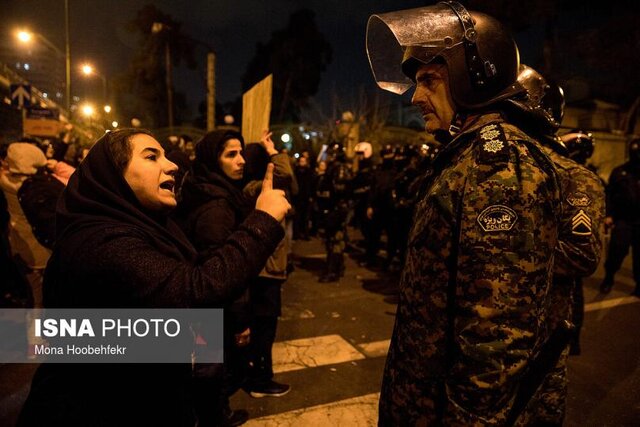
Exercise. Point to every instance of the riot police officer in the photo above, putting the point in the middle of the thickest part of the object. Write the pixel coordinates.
(623, 217)
(579, 247)
(403, 196)
(484, 228)
(361, 185)
(580, 146)
(380, 209)
(333, 197)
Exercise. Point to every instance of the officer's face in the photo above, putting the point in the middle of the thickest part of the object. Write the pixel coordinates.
(433, 97)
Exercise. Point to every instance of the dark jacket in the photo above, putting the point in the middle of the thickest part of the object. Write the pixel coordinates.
(623, 194)
(110, 252)
(212, 208)
(38, 197)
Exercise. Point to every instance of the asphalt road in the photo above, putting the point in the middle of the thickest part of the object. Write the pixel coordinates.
(332, 341)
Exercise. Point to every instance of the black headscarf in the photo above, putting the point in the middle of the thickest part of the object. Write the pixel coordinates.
(211, 146)
(206, 170)
(98, 195)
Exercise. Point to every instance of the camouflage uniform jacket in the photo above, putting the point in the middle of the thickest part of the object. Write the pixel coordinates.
(475, 287)
(581, 222)
(577, 255)
(582, 218)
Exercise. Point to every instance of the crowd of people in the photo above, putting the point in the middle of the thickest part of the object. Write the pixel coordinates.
(493, 227)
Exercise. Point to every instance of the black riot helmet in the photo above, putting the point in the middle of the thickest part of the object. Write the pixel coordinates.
(538, 104)
(553, 101)
(480, 54)
(387, 152)
(336, 152)
(634, 151)
(402, 156)
(579, 144)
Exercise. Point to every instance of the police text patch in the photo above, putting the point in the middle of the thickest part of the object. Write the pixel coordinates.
(497, 218)
(581, 224)
(578, 199)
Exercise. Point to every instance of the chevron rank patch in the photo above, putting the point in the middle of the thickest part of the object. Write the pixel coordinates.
(578, 200)
(493, 143)
(497, 218)
(581, 224)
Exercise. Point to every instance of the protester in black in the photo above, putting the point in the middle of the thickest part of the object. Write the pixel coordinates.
(211, 209)
(115, 247)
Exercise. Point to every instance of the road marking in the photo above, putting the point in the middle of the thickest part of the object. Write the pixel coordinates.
(361, 411)
(312, 352)
(375, 349)
(304, 353)
(610, 303)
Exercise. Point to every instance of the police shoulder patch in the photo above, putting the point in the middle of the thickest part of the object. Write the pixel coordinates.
(497, 218)
(493, 143)
(578, 199)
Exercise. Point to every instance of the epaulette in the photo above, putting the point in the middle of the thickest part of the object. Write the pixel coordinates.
(492, 144)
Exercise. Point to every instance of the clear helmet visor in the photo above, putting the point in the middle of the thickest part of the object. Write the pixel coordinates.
(422, 34)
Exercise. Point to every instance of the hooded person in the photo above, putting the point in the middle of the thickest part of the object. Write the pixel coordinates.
(212, 207)
(210, 184)
(116, 248)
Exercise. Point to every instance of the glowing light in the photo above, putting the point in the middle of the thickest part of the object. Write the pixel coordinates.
(114, 124)
(107, 108)
(24, 36)
(87, 69)
(285, 138)
(88, 110)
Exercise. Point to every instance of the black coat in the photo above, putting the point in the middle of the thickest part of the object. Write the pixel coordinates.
(110, 252)
(211, 209)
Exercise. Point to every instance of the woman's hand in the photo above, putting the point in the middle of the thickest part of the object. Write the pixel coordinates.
(268, 143)
(272, 201)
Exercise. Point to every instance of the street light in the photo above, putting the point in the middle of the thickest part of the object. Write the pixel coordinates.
(87, 110)
(89, 70)
(26, 36)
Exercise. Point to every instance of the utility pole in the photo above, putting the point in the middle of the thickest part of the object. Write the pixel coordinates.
(167, 60)
(156, 28)
(67, 95)
(211, 91)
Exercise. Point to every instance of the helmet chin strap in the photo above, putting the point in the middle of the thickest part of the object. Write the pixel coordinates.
(456, 123)
(445, 136)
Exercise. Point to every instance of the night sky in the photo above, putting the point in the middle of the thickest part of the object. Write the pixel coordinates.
(233, 28)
